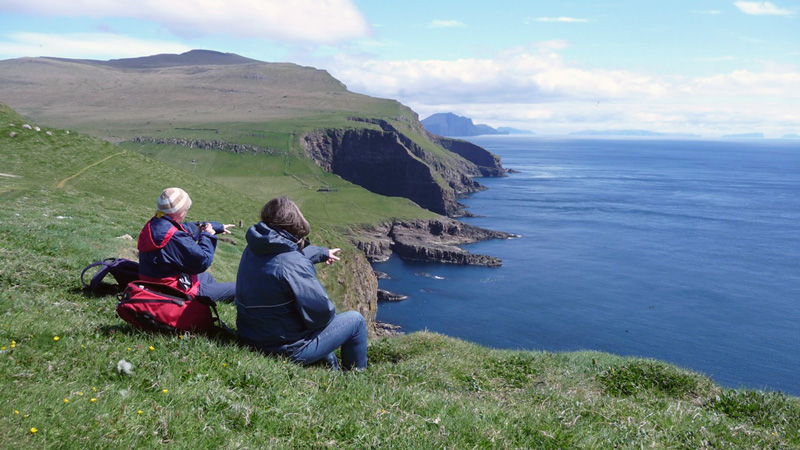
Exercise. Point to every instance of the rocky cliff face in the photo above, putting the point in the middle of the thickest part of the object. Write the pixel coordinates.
(362, 287)
(389, 162)
(426, 240)
(487, 163)
(378, 161)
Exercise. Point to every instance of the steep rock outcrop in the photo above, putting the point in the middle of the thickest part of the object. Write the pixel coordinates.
(487, 162)
(389, 162)
(380, 162)
(354, 286)
(477, 161)
(386, 296)
(434, 240)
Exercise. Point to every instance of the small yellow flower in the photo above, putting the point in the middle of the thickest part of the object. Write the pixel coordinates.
(3, 347)
(34, 430)
(94, 389)
(129, 349)
(16, 412)
(140, 412)
(152, 348)
(93, 400)
(224, 364)
(55, 338)
(66, 400)
(165, 391)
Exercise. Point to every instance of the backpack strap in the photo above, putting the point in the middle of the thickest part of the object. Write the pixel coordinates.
(123, 270)
(220, 325)
(95, 264)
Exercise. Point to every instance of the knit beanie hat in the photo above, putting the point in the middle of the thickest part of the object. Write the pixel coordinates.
(173, 200)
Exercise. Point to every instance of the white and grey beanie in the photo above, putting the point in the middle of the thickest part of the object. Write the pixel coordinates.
(173, 200)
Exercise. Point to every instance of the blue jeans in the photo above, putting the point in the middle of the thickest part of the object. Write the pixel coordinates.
(347, 330)
(218, 292)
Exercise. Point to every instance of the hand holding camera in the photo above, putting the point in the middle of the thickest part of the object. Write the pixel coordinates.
(205, 226)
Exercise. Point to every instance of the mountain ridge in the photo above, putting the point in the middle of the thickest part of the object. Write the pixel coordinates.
(163, 98)
(163, 60)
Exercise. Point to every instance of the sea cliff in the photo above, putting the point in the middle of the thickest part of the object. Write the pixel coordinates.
(388, 161)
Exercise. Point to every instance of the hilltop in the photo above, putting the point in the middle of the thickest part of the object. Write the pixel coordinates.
(69, 199)
(223, 101)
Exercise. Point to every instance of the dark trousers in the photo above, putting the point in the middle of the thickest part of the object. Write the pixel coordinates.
(218, 292)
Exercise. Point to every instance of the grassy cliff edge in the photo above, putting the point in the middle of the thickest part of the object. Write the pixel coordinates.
(69, 199)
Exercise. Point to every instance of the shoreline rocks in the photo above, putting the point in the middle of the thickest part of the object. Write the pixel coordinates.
(387, 296)
(433, 240)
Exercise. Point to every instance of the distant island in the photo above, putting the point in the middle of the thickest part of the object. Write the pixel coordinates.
(629, 133)
(791, 136)
(509, 130)
(745, 135)
(449, 124)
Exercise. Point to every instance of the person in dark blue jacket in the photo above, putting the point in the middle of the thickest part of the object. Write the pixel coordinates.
(178, 253)
(281, 306)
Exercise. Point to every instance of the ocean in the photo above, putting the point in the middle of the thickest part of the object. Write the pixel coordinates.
(686, 251)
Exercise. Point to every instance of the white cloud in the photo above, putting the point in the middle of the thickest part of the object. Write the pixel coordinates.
(534, 88)
(85, 45)
(715, 59)
(534, 74)
(762, 9)
(744, 83)
(446, 24)
(314, 21)
(561, 19)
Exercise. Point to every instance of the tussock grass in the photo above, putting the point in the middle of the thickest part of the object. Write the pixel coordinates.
(60, 348)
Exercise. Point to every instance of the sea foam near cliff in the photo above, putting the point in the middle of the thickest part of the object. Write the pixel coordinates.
(686, 251)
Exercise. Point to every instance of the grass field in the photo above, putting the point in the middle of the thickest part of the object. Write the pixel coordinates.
(67, 199)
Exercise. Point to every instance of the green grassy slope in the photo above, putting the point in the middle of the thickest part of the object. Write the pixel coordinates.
(324, 197)
(65, 200)
(117, 103)
(265, 104)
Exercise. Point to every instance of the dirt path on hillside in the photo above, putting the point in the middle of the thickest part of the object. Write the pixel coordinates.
(63, 182)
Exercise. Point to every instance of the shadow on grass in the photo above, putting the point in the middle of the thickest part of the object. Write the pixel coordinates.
(104, 290)
(218, 335)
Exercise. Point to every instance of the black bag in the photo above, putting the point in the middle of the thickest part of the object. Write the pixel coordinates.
(123, 270)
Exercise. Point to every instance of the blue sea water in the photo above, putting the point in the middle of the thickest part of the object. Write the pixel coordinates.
(687, 251)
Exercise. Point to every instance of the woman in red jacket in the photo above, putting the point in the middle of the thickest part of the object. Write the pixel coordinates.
(178, 253)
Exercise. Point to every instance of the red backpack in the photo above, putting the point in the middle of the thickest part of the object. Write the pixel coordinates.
(158, 307)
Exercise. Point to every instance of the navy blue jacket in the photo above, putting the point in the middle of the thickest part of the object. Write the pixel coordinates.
(279, 301)
(187, 251)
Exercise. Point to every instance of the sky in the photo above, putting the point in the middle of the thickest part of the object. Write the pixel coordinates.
(707, 67)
